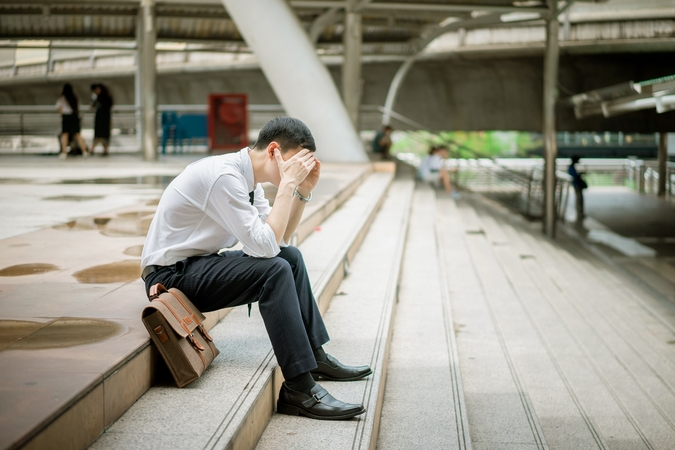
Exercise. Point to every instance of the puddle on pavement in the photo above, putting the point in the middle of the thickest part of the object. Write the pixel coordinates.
(117, 272)
(20, 270)
(64, 332)
(151, 180)
(136, 250)
(130, 223)
(74, 198)
(135, 225)
(77, 225)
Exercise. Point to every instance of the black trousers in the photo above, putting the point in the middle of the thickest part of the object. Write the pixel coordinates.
(280, 285)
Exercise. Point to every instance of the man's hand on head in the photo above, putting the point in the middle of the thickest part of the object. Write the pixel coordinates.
(296, 168)
(312, 179)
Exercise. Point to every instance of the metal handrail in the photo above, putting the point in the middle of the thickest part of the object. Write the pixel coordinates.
(520, 189)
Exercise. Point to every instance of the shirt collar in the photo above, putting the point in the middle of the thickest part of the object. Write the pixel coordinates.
(247, 168)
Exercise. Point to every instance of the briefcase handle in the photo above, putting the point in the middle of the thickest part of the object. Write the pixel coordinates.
(156, 291)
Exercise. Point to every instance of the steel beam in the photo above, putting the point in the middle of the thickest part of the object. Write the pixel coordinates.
(416, 6)
(550, 95)
(328, 17)
(420, 44)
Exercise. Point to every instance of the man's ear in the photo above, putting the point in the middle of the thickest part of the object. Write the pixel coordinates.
(271, 147)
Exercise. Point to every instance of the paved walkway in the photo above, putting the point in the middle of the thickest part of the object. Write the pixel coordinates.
(41, 191)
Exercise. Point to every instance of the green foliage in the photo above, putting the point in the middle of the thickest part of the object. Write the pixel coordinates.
(468, 144)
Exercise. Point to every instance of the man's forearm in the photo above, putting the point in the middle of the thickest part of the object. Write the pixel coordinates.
(281, 213)
(297, 208)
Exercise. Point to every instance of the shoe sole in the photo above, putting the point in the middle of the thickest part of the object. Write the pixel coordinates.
(291, 410)
(318, 376)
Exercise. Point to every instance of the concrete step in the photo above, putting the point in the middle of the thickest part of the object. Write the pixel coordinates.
(86, 357)
(500, 412)
(360, 322)
(624, 393)
(641, 342)
(424, 403)
(234, 399)
(660, 277)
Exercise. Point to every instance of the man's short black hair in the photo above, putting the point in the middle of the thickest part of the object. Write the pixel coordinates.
(288, 132)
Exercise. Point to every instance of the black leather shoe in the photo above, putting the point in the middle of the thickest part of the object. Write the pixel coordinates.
(334, 370)
(320, 405)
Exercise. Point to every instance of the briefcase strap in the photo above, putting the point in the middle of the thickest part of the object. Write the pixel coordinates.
(158, 289)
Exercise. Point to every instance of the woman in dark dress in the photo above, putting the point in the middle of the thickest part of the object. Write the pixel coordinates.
(103, 103)
(67, 106)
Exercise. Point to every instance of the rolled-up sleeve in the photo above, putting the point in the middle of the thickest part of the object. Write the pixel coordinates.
(229, 205)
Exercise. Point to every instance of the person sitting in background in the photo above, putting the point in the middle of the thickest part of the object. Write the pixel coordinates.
(102, 101)
(432, 168)
(579, 186)
(67, 106)
(382, 141)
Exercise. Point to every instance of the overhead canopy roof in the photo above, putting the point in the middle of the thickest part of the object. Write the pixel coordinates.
(388, 27)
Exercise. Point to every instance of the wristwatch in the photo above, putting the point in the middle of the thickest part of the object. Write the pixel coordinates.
(300, 197)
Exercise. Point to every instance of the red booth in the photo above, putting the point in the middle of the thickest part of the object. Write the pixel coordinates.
(227, 122)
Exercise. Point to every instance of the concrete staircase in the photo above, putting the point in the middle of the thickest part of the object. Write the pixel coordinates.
(237, 395)
(501, 338)
(588, 352)
(482, 333)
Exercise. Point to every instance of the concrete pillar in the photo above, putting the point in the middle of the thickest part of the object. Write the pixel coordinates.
(351, 66)
(137, 92)
(299, 79)
(146, 78)
(663, 163)
(394, 86)
(549, 128)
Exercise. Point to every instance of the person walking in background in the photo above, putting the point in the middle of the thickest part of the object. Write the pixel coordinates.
(102, 101)
(432, 168)
(67, 106)
(579, 186)
(382, 141)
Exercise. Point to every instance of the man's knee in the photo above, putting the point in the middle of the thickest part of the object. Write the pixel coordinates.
(292, 255)
(279, 267)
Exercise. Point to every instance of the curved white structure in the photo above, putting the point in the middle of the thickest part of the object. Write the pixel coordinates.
(299, 79)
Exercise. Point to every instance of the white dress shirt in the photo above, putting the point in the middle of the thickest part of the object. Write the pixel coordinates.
(429, 167)
(207, 208)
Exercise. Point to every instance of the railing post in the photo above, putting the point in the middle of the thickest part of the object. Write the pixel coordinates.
(663, 163)
(21, 131)
(529, 194)
(550, 96)
(641, 179)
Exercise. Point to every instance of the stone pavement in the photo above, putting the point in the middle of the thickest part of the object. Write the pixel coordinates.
(41, 191)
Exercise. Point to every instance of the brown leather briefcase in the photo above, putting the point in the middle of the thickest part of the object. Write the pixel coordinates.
(175, 326)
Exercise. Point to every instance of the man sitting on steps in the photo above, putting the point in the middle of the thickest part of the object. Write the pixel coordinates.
(218, 201)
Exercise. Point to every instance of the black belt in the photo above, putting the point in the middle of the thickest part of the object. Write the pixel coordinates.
(148, 270)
